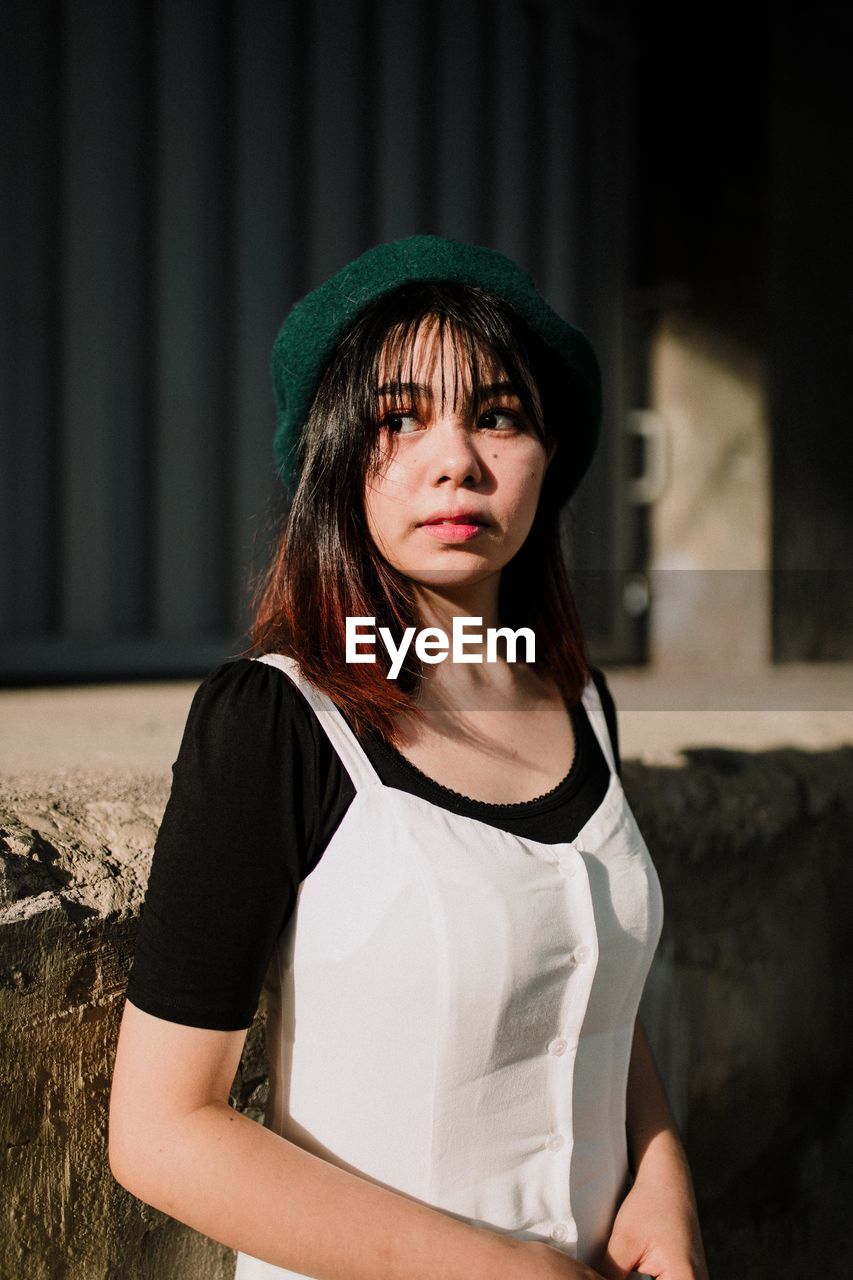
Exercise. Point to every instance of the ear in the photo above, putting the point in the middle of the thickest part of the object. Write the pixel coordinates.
(551, 450)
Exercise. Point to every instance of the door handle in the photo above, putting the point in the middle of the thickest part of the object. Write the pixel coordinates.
(650, 484)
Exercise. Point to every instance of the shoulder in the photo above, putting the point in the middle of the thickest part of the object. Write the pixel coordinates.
(240, 682)
(241, 688)
(242, 707)
(600, 681)
(608, 706)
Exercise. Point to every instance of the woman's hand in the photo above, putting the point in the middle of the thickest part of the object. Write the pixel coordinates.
(656, 1232)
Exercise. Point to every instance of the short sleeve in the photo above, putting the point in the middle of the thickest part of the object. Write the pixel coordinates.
(238, 834)
(608, 706)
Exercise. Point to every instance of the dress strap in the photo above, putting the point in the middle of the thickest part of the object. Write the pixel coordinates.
(594, 709)
(352, 755)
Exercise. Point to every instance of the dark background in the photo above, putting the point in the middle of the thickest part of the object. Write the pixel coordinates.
(176, 175)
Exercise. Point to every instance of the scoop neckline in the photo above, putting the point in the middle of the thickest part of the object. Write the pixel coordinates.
(546, 800)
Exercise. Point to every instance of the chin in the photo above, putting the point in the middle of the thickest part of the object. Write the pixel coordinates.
(447, 575)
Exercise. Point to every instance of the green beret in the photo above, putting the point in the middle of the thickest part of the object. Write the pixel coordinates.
(315, 325)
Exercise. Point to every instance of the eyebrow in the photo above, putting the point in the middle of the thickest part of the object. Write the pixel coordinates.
(421, 389)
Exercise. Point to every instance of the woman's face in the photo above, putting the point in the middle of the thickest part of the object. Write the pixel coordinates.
(456, 490)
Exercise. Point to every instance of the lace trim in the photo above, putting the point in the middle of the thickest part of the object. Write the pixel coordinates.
(492, 804)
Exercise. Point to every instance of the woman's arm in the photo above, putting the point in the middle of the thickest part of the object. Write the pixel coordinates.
(175, 1142)
(656, 1231)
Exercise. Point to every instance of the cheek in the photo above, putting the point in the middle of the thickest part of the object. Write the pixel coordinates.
(525, 478)
(534, 472)
(527, 489)
(385, 501)
(391, 469)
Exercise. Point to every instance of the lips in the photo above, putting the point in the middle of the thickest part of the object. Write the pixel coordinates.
(457, 517)
(454, 526)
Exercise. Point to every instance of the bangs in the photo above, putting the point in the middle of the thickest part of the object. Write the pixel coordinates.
(488, 343)
(468, 366)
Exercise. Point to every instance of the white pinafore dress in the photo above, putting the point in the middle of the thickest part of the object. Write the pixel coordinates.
(451, 1007)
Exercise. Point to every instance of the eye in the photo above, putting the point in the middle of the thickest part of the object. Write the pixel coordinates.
(399, 421)
(501, 420)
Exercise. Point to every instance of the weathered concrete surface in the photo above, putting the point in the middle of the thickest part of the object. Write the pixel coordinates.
(747, 1007)
(74, 859)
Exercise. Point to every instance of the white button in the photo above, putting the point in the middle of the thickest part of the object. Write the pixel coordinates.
(558, 1046)
(581, 954)
(559, 1231)
(555, 1142)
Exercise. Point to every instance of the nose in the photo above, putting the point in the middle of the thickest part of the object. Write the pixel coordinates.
(454, 456)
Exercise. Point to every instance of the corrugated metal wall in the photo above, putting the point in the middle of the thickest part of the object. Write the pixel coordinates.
(177, 174)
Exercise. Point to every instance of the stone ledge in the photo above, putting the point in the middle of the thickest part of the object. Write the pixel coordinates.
(753, 978)
(74, 859)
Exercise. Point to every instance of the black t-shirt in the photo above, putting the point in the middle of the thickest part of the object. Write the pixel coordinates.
(257, 793)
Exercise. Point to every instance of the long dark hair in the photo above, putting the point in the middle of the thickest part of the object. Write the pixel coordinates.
(326, 566)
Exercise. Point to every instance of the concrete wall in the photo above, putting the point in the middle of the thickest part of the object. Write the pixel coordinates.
(74, 858)
(753, 980)
(711, 526)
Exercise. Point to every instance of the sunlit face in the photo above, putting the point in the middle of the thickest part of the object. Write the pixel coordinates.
(456, 489)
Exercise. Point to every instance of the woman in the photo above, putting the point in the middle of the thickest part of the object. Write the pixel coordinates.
(436, 876)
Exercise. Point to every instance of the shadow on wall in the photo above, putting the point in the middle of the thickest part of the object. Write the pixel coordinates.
(753, 978)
